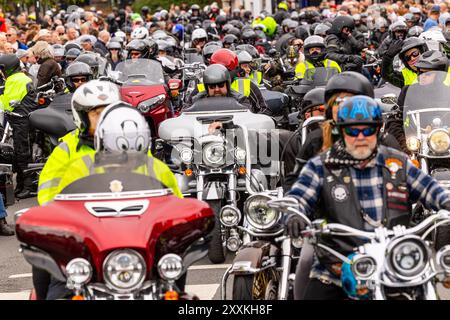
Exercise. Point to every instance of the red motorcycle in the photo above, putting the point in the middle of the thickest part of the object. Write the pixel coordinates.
(117, 236)
(143, 86)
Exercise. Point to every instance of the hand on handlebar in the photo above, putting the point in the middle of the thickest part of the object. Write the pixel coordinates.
(295, 225)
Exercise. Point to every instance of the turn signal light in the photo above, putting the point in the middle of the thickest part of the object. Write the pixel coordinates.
(77, 297)
(242, 171)
(41, 101)
(446, 283)
(362, 291)
(188, 172)
(174, 93)
(171, 295)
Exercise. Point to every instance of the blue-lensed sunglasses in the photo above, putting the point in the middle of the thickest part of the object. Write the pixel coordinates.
(354, 132)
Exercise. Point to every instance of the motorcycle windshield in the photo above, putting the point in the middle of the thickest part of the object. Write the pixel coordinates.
(426, 105)
(140, 72)
(116, 173)
(318, 77)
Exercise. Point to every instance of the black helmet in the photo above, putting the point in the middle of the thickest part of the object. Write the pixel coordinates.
(209, 49)
(433, 60)
(9, 64)
(235, 31)
(152, 48)
(221, 20)
(314, 42)
(216, 73)
(313, 98)
(72, 53)
(409, 43)
(301, 33)
(398, 26)
(77, 69)
(250, 49)
(145, 11)
(92, 60)
(348, 81)
(341, 22)
(137, 45)
(71, 45)
(230, 39)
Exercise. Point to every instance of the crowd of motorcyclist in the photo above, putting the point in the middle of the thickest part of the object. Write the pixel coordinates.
(366, 45)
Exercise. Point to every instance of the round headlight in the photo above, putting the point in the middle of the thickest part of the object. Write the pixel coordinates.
(79, 271)
(413, 144)
(408, 257)
(170, 267)
(144, 108)
(363, 267)
(439, 141)
(259, 214)
(230, 216)
(124, 270)
(240, 154)
(186, 155)
(214, 154)
(443, 258)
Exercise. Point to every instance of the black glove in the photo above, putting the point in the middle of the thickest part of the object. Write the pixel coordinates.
(358, 61)
(295, 224)
(394, 48)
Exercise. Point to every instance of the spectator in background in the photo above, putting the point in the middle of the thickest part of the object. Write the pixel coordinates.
(8, 48)
(11, 37)
(433, 17)
(2, 42)
(72, 34)
(48, 66)
(100, 44)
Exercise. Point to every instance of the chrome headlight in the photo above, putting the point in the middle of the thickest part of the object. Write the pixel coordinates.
(408, 257)
(214, 154)
(146, 105)
(240, 155)
(230, 216)
(443, 258)
(79, 271)
(170, 267)
(413, 144)
(439, 141)
(259, 214)
(124, 270)
(363, 267)
(186, 155)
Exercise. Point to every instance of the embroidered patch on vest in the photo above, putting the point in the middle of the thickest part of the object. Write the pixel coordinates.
(340, 193)
(393, 165)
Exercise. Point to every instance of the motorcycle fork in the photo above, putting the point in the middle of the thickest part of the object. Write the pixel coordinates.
(286, 251)
(232, 189)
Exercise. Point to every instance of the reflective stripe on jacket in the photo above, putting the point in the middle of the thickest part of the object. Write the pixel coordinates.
(241, 85)
(15, 90)
(301, 68)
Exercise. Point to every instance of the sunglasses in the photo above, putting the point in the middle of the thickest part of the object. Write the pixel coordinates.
(216, 85)
(318, 108)
(354, 132)
(415, 54)
(77, 80)
(135, 54)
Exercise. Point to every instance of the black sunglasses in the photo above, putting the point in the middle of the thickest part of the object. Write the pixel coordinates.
(216, 85)
(354, 132)
(415, 54)
(77, 80)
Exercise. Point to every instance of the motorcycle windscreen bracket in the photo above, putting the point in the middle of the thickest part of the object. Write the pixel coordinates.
(214, 190)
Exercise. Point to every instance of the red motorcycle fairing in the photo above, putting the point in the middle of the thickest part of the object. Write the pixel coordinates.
(136, 94)
(66, 230)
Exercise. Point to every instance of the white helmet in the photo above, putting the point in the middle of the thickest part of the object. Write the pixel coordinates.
(121, 34)
(122, 128)
(93, 94)
(199, 34)
(244, 57)
(139, 33)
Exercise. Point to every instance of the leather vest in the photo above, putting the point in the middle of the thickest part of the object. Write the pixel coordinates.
(340, 202)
